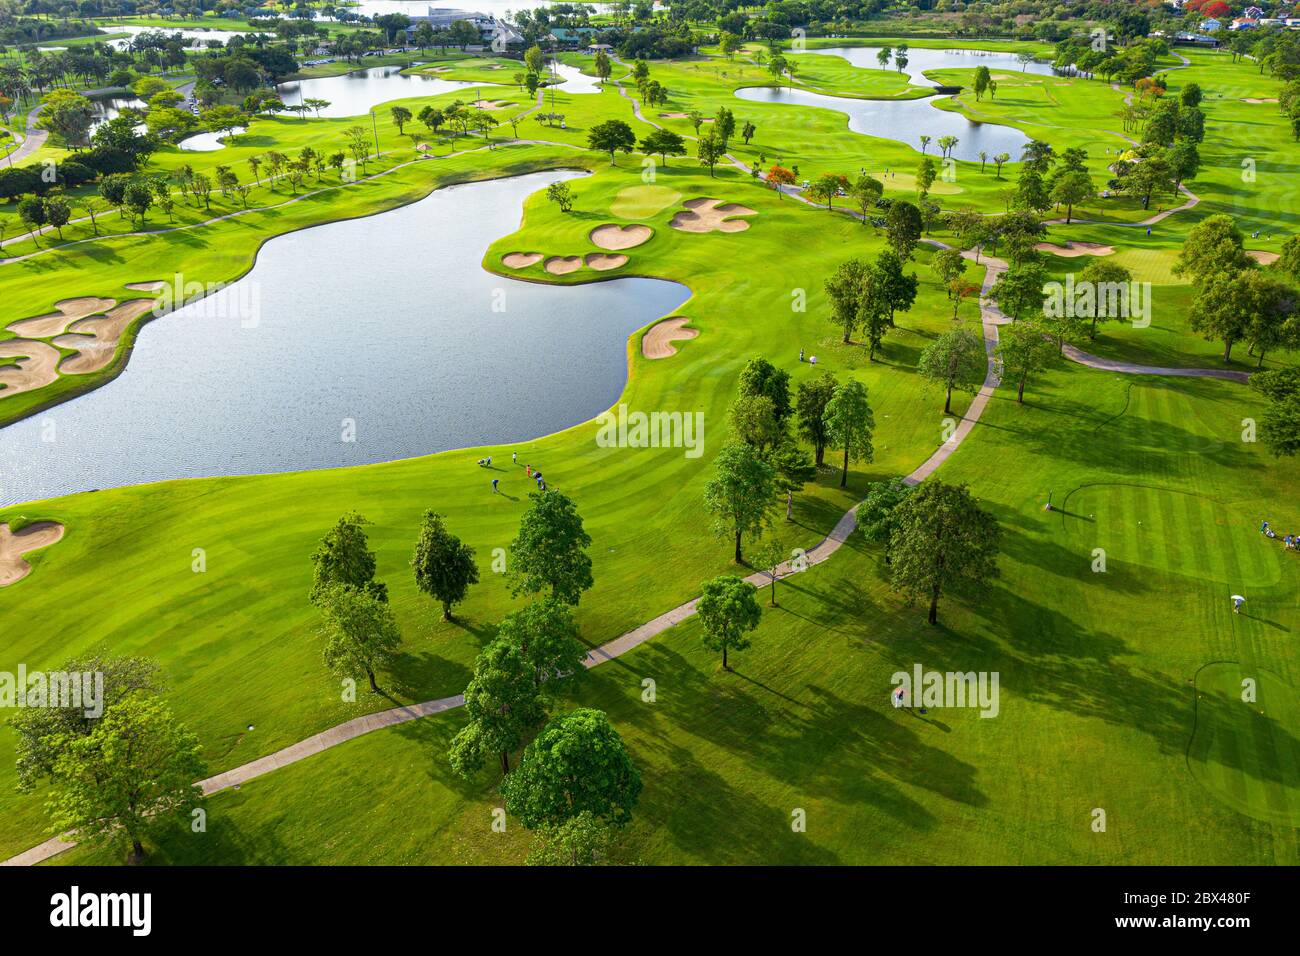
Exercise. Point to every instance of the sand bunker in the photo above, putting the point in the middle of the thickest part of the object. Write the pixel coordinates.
(1073, 250)
(491, 104)
(562, 265)
(521, 260)
(707, 119)
(604, 261)
(711, 215)
(1259, 99)
(37, 366)
(95, 339)
(658, 341)
(146, 286)
(1262, 257)
(67, 312)
(14, 544)
(615, 237)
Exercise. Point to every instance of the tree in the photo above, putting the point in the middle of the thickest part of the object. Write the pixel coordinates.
(1214, 244)
(903, 227)
(1019, 291)
(740, 495)
(550, 549)
(132, 773)
(1099, 274)
(664, 142)
(874, 308)
(794, 469)
(747, 131)
(401, 116)
(67, 115)
(57, 213)
(561, 195)
(547, 637)
(941, 540)
(361, 632)
(883, 56)
(897, 289)
(845, 290)
(534, 59)
(579, 841)
(779, 176)
(728, 610)
(610, 137)
(924, 176)
(875, 515)
(1184, 162)
(954, 360)
(826, 187)
(1151, 175)
(811, 400)
(999, 161)
(603, 66)
(753, 420)
(577, 764)
(1279, 426)
(710, 150)
(982, 79)
(32, 213)
(866, 192)
(1072, 187)
(761, 377)
(503, 705)
(344, 557)
(1023, 349)
(137, 197)
(1231, 306)
(850, 424)
(43, 731)
(444, 566)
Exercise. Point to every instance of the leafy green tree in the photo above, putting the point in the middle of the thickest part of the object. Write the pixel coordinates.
(664, 142)
(903, 225)
(948, 264)
(794, 469)
(740, 495)
(925, 176)
(550, 550)
(1019, 291)
(1099, 274)
(547, 637)
(344, 557)
(941, 540)
(761, 377)
(753, 421)
(845, 290)
(561, 195)
(577, 764)
(982, 79)
(503, 704)
(874, 308)
(610, 137)
(41, 729)
(811, 399)
(1213, 245)
(897, 289)
(1024, 349)
(826, 187)
(1071, 188)
(360, 630)
(850, 424)
(444, 566)
(133, 773)
(728, 611)
(710, 150)
(866, 191)
(1229, 307)
(583, 840)
(875, 515)
(954, 360)
(401, 116)
(1279, 426)
(603, 66)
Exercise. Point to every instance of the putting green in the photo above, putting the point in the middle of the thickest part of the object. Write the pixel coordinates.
(1166, 530)
(1247, 753)
(642, 202)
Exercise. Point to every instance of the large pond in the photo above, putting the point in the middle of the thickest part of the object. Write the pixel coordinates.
(388, 322)
(353, 94)
(903, 120)
(906, 120)
(920, 59)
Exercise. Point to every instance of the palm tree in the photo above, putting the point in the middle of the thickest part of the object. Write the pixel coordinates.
(925, 142)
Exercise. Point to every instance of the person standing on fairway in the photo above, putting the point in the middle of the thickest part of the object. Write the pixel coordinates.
(494, 485)
(1237, 602)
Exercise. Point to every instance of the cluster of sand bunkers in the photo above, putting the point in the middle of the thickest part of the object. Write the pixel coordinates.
(698, 215)
(15, 544)
(89, 328)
